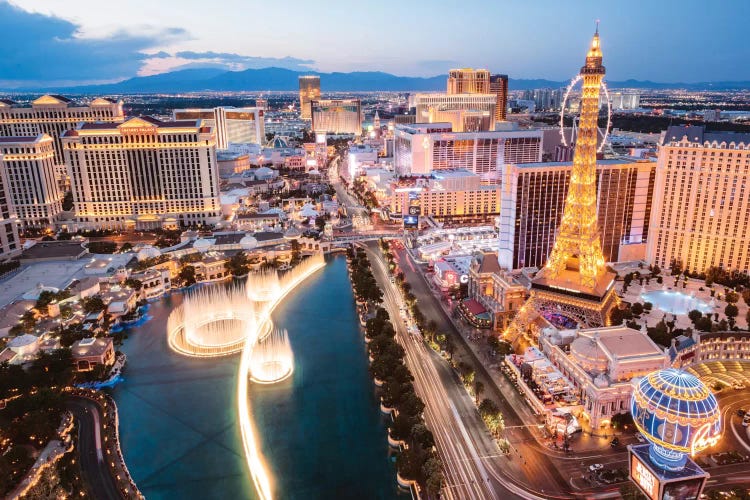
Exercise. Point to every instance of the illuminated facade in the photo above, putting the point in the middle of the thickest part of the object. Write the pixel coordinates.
(10, 243)
(574, 287)
(426, 147)
(466, 112)
(232, 125)
(495, 289)
(53, 115)
(144, 173)
(701, 215)
(309, 90)
(447, 195)
(468, 81)
(534, 196)
(28, 170)
(600, 364)
(336, 116)
(499, 87)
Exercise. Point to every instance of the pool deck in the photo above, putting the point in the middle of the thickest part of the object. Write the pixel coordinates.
(693, 286)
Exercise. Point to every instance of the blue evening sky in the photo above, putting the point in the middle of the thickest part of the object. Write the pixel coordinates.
(55, 41)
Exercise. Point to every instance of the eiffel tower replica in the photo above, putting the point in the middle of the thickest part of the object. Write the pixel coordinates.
(574, 289)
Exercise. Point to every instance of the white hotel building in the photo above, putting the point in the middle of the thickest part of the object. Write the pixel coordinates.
(143, 174)
(465, 112)
(701, 212)
(232, 125)
(421, 148)
(28, 172)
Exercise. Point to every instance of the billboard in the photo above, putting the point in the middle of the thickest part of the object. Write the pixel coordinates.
(656, 484)
(642, 476)
(411, 222)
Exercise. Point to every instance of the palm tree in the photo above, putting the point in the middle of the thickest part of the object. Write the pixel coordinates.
(478, 389)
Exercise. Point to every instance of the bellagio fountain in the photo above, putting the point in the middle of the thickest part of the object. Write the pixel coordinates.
(218, 321)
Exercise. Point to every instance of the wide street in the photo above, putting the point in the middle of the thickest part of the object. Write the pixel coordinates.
(95, 469)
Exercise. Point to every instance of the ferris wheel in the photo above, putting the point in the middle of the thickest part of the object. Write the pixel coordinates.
(567, 141)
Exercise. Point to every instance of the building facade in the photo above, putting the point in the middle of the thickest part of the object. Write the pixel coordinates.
(53, 115)
(447, 195)
(701, 215)
(336, 116)
(143, 174)
(309, 90)
(422, 148)
(466, 112)
(534, 195)
(10, 243)
(28, 171)
(495, 289)
(468, 81)
(499, 87)
(232, 125)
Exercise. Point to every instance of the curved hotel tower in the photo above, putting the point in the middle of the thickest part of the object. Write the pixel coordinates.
(574, 287)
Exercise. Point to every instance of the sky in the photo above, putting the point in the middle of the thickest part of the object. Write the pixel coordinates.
(57, 42)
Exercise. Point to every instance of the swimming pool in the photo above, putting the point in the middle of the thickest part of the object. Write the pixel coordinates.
(675, 302)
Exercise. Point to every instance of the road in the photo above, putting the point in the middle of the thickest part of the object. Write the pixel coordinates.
(469, 454)
(95, 469)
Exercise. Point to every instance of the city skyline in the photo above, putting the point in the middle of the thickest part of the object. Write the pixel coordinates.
(82, 43)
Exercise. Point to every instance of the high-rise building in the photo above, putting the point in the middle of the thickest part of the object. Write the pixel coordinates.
(10, 244)
(463, 111)
(574, 288)
(534, 196)
(28, 171)
(424, 147)
(468, 81)
(623, 100)
(337, 116)
(499, 87)
(54, 114)
(144, 174)
(701, 214)
(309, 90)
(261, 103)
(232, 125)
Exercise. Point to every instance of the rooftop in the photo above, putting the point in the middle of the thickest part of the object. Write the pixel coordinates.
(91, 347)
(54, 249)
(698, 134)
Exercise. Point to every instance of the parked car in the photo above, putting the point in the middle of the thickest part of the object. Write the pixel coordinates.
(615, 442)
(595, 467)
(738, 386)
(746, 421)
(741, 412)
(640, 437)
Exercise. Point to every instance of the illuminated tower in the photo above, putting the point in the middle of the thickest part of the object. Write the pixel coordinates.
(574, 288)
(309, 90)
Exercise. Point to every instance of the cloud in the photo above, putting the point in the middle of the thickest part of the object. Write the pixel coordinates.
(163, 61)
(38, 48)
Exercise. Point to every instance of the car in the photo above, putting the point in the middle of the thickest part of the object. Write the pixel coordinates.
(595, 467)
(738, 386)
(741, 412)
(640, 437)
(746, 421)
(615, 442)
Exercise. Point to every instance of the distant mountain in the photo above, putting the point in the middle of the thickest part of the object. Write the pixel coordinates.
(279, 79)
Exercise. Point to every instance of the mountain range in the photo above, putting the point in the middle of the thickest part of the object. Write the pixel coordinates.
(279, 79)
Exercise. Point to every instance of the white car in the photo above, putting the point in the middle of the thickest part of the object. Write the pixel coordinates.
(738, 386)
(595, 467)
(746, 421)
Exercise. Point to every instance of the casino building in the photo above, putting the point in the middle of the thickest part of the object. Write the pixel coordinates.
(143, 174)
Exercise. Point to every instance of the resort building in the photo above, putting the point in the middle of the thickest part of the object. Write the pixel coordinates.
(498, 292)
(701, 215)
(336, 116)
(309, 90)
(143, 174)
(468, 81)
(232, 125)
(422, 148)
(53, 115)
(726, 348)
(600, 363)
(89, 353)
(532, 208)
(28, 171)
(465, 112)
(499, 87)
(10, 243)
(446, 195)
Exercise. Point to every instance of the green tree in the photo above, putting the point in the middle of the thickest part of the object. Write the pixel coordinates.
(93, 305)
(637, 308)
(134, 284)
(695, 315)
(731, 312)
(187, 275)
(478, 390)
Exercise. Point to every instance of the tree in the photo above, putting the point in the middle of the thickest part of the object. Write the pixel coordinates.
(93, 305)
(408, 464)
(126, 247)
(695, 315)
(238, 264)
(102, 246)
(432, 471)
(731, 311)
(478, 389)
(637, 308)
(67, 204)
(732, 297)
(704, 324)
(187, 275)
(134, 284)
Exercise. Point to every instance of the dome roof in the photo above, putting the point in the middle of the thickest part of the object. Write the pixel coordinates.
(264, 171)
(672, 408)
(589, 354)
(148, 252)
(292, 233)
(202, 245)
(248, 242)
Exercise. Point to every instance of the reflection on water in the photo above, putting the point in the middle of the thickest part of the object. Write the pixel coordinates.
(321, 430)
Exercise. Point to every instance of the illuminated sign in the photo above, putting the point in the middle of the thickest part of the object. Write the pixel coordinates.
(320, 138)
(411, 222)
(703, 438)
(137, 130)
(644, 478)
(464, 278)
(415, 210)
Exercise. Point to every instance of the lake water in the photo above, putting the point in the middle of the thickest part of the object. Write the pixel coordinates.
(321, 431)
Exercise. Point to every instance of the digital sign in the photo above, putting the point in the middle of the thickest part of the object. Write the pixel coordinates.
(411, 222)
(644, 478)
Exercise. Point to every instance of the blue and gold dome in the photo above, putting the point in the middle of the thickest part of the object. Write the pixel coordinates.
(677, 414)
